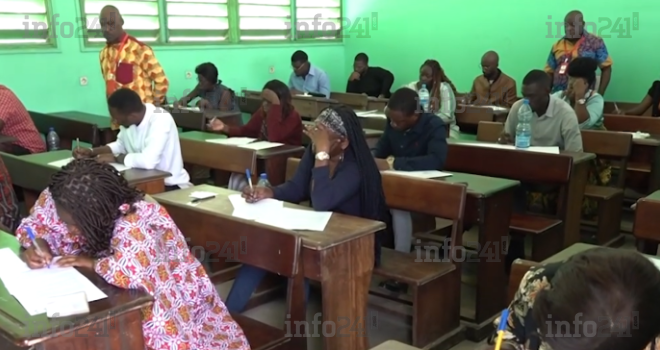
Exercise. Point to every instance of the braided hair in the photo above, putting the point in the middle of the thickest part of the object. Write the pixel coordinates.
(92, 193)
(372, 197)
(439, 77)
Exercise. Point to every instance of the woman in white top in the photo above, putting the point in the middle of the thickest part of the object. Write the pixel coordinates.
(442, 92)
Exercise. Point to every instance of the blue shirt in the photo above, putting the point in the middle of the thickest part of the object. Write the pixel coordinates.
(316, 81)
(595, 104)
(422, 147)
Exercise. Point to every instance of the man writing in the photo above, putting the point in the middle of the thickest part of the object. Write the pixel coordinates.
(129, 63)
(577, 43)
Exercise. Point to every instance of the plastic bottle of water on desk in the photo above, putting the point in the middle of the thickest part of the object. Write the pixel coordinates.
(52, 140)
(524, 127)
(263, 181)
(424, 98)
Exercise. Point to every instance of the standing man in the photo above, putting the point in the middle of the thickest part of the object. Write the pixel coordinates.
(129, 63)
(493, 87)
(577, 43)
(371, 81)
(307, 78)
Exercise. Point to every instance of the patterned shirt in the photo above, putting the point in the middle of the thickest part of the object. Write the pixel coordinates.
(591, 46)
(17, 122)
(138, 70)
(522, 332)
(151, 254)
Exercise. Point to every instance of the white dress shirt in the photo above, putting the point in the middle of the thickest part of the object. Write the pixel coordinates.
(154, 144)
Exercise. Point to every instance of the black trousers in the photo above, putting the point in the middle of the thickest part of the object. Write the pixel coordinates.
(172, 188)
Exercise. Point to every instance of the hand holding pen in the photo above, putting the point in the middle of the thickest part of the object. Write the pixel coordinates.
(38, 255)
(81, 152)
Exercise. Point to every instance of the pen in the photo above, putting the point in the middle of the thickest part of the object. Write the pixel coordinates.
(616, 108)
(77, 143)
(197, 200)
(500, 330)
(249, 178)
(34, 242)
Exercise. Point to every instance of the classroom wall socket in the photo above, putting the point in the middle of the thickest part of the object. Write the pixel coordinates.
(83, 81)
(189, 75)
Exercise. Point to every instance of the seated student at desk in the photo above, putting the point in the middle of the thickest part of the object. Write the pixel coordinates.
(307, 78)
(493, 87)
(371, 81)
(442, 92)
(599, 299)
(411, 141)
(276, 121)
(91, 218)
(15, 122)
(337, 173)
(148, 139)
(212, 94)
(650, 100)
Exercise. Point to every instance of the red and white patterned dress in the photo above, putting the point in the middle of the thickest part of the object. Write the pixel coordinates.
(151, 254)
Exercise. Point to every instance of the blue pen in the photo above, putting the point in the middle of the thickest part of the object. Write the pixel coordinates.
(500, 330)
(34, 242)
(249, 178)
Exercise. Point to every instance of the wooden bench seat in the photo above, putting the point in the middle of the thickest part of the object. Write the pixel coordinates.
(601, 192)
(261, 336)
(542, 230)
(408, 269)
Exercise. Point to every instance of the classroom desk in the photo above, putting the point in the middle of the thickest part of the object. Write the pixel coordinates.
(374, 123)
(112, 323)
(394, 345)
(340, 258)
(489, 206)
(309, 107)
(272, 161)
(68, 123)
(36, 179)
(189, 120)
(372, 136)
(646, 223)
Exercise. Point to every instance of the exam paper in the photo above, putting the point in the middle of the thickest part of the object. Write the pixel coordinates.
(63, 162)
(202, 195)
(261, 145)
(233, 141)
(35, 288)
(185, 108)
(252, 211)
(296, 219)
(421, 174)
(552, 150)
(371, 114)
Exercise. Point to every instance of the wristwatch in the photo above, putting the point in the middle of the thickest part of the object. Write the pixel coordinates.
(322, 156)
(582, 101)
(390, 161)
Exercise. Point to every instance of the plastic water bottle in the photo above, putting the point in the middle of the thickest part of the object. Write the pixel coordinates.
(52, 140)
(263, 181)
(424, 98)
(524, 127)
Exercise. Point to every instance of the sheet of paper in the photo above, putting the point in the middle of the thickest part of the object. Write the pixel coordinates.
(422, 174)
(35, 288)
(553, 149)
(253, 211)
(360, 113)
(371, 114)
(63, 162)
(233, 141)
(261, 145)
(297, 219)
(202, 195)
(655, 260)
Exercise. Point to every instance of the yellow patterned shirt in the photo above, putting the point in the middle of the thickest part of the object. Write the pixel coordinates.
(137, 69)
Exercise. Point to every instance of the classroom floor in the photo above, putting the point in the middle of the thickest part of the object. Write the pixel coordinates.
(388, 327)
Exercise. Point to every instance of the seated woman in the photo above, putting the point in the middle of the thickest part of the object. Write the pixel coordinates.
(91, 218)
(337, 173)
(210, 91)
(650, 100)
(588, 106)
(599, 299)
(276, 121)
(442, 92)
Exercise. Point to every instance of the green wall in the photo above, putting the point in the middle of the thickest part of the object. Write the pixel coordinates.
(50, 81)
(457, 33)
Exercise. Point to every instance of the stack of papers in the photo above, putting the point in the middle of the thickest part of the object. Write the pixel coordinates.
(245, 142)
(63, 162)
(185, 108)
(272, 212)
(552, 149)
(34, 289)
(422, 174)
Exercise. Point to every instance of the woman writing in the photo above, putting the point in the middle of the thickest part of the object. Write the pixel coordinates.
(276, 121)
(210, 91)
(337, 173)
(91, 218)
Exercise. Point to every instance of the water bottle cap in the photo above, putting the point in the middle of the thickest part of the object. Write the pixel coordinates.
(263, 176)
(423, 86)
(525, 101)
(51, 129)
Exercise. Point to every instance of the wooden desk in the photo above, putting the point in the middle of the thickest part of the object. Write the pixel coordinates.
(355, 101)
(32, 173)
(644, 163)
(189, 120)
(71, 125)
(371, 135)
(112, 323)
(394, 345)
(374, 123)
(341, 258)
(377, 104)
(647, 221)
(310, 107)
(272, 161)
